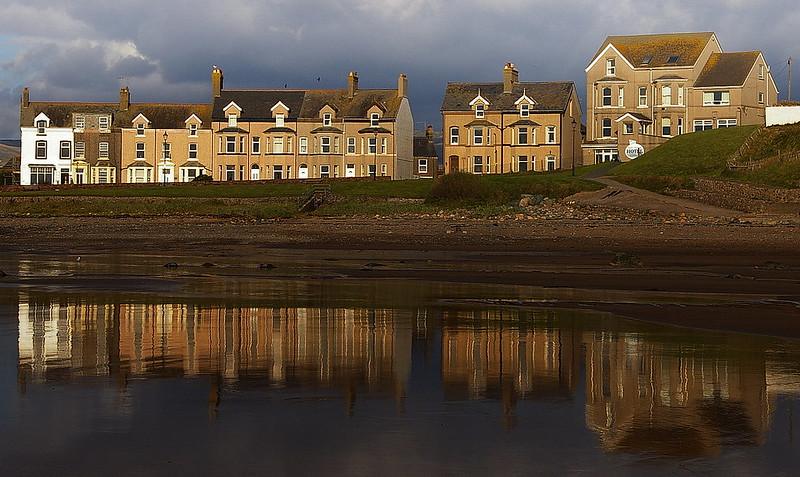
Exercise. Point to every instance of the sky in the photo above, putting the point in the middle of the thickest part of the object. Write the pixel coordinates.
(163, 50)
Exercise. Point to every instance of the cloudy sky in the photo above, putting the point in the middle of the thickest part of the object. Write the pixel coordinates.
(78, 49)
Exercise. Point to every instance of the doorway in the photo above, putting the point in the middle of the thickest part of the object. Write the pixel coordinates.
(454, 164)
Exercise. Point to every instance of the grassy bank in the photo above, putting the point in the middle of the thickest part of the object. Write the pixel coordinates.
(705, 154)
(484, 195)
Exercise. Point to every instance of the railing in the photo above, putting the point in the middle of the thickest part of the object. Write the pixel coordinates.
(314, 199)
(755, 165)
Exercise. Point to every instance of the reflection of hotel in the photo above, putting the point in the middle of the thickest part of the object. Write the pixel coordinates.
(506, 360)
(307, 347)
(644, 396)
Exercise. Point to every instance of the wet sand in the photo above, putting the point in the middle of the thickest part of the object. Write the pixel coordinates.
(735, 277)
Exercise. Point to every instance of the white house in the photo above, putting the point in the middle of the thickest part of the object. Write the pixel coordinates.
(46, 154)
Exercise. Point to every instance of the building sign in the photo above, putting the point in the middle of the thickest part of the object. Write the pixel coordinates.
(634, 150)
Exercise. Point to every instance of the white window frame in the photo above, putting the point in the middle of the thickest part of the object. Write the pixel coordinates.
(522, 130)
(193, 130)
(374, 120)
(230, 144)
(710, 98)
(324, 170)
(41, 126)
(480, 111)
(41, 147)
(455, 136)
(643, 97)
(477, 139)
(80, 122)
(102, 150)
(372, 145)
(524, 110)
(629, 128)
(384, 145)
(61, 149)
(477, 164)
(327, 119)
(550, 163)
(727, 123)
(423, 166)
(193, 150)
(666, 95)
(280, 120)
(705, 124)
(166, 151)
(550, 135)
(140, 130)
(621, 97)
(761, 72)
(666, 127)
(104, 123)
(303, 145)
(603, 127)
(761, 97)
(325, 146)
(255, 145)
(80, 149)
(611, 67)
(607, 98)
(233, 120)
(351, 145)
(681, 99)
(140, 151)
(278, 145)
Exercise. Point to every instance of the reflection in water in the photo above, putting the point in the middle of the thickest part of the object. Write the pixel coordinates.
(646, 390)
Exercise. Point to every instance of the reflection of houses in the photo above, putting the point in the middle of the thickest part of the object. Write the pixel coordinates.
(307, 347)
(643, 396)
(498, 360)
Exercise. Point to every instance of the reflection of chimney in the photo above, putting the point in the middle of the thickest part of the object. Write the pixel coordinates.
(429, 133)
(26, 97)
(352, 84)
(510, 77)
(217, 79)
(124, 99)
(402, 86)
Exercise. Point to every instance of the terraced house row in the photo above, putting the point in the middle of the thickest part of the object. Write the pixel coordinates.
(239, 135)
(641, 90)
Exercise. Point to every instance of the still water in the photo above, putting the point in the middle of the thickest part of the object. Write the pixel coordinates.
(101, 385)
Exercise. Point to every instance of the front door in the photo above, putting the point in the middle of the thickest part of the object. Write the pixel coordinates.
(302, 171)
(255, 173)
(350, 170)
(454, 164)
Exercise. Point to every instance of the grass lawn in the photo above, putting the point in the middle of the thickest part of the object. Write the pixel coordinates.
(705, 154)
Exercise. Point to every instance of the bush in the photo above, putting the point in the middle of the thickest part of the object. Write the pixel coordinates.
(203, 178)
(462, 188)
(658, 184)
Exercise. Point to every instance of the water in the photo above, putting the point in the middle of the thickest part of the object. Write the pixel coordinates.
(340, 377)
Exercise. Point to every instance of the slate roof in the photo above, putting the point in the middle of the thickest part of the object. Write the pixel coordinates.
(306, 104)
(549, 97)
(659, 48)
(727, 69)
(423, 147)
(161, 116)
(164, 116)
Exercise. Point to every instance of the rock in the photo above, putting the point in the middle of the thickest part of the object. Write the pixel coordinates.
(266, 266)
(524, 202)
(171, 265)
(209, 265)
(624, 259)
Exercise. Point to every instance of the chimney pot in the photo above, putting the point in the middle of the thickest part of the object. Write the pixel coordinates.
(217, 81)
(26, 97)
(352, 84)
(402, 86)
(510, 77)
(124, 99)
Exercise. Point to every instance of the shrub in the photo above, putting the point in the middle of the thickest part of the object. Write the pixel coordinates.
(462, 188)
(203, 178)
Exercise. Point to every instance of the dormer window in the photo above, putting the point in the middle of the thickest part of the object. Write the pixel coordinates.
(647, 60)
(374, 120)
(233, 121)
(327, 119)
(611, 67)
(524, 110)
(104, 122)
(480, 111)
(140, 129)
(280, 120)
(672, 60)
(40, 126)
(193, 129)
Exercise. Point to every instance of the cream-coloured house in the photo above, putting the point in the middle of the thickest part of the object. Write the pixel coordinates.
(510, 126)
(303, 134)
(644, 89)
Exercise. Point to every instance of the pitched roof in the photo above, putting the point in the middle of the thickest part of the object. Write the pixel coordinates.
(727, 69)
(306, 104)
(552, 96)
(658, 48)
(424, 147)
(162, 116)
(60, 113)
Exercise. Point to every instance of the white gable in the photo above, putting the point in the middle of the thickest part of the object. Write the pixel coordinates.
(479, 99)
(279, 105)
(193, 116)
(41, 117)
(139, 117)
(524, 99)
(230, 105)
(603, 54)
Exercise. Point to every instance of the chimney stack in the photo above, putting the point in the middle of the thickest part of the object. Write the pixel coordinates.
(510, 77)
(217, 79)
(402, 86)
(352, 84)
(429, 133)
(124, 99)
(26, 97)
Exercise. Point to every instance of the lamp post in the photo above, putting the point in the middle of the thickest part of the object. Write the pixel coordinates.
(574, 127)
(164, 160)
(375, 177)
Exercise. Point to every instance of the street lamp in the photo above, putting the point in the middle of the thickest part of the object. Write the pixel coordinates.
(574, 127)
(164, 160)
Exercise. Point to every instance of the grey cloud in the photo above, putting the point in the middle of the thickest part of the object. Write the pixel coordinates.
(277, 42)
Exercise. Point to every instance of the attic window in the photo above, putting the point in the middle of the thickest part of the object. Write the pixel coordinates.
(233, 121)
(524, 110)
(327, 119)
(647, 60)
(480, 111)
(672, 60)
(193, 129)
(374, 120)
(140, 129)
(40, 126)
(279, 120)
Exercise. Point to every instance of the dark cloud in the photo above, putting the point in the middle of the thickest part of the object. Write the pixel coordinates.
(78, 49)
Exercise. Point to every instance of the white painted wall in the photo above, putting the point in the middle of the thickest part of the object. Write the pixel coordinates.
(53, 136)
(778, 115)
